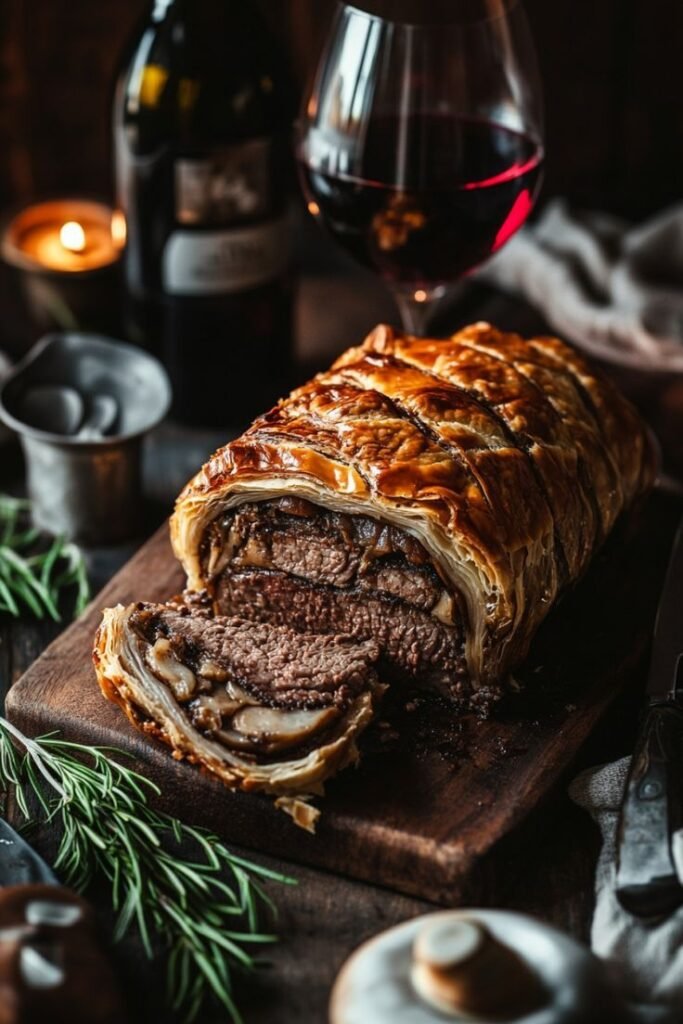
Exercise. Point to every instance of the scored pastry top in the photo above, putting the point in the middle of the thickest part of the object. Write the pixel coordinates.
(509, 460)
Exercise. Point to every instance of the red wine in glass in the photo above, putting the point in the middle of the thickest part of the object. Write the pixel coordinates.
(468, 185)
(420, 140)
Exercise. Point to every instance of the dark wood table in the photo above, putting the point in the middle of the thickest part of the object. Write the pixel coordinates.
(545, 869)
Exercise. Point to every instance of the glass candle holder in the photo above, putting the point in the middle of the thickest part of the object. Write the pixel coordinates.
(63, 258)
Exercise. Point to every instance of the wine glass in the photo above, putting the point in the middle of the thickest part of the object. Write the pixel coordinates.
(420, 143)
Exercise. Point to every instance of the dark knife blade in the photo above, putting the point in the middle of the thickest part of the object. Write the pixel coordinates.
(19, 863)
(652, 807)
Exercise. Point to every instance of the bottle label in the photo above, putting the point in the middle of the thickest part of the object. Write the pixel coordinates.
(230, 260)
(224, 187)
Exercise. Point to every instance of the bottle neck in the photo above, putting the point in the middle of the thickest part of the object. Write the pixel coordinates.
(160, 9)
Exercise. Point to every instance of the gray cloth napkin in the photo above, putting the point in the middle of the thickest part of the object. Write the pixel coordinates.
(614, 290)
(645, 959)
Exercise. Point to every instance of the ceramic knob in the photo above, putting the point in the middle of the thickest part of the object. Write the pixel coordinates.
(460, 969)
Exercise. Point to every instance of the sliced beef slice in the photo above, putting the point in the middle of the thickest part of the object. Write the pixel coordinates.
(413, 643)
(293, 536)
(275, 663)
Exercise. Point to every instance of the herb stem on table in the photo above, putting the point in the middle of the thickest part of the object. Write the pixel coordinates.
(202, 907)
(33, 577)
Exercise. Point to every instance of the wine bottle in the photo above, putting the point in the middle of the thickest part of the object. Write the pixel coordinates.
(202, 117)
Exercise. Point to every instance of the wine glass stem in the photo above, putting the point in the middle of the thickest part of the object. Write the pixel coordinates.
(416, 308)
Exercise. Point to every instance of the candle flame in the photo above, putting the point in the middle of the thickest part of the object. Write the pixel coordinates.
(72, 236)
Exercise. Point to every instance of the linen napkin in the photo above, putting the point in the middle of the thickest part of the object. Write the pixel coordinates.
(645, 958)
(614, 290)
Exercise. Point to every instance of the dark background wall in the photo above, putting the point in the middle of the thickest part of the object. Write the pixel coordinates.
(611, 69)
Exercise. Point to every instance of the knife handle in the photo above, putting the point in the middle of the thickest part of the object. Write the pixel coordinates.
(651, 812)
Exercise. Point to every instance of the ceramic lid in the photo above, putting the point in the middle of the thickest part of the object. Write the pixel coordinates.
(377, 982)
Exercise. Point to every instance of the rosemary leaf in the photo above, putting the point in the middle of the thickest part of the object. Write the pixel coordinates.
(8, 599)
(18, 585)
(49, 561)
(176, 886)
(22, 570)
(25, 539)
(34, 573)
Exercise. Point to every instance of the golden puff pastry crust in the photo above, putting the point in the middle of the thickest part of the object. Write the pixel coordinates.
(509, 460)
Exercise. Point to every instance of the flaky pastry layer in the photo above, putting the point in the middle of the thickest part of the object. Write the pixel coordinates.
(510, 460)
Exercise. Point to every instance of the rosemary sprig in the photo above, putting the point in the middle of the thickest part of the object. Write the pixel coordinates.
(32, 578)
(202, 906)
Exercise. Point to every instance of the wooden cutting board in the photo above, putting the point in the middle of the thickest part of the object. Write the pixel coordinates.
(435, 792)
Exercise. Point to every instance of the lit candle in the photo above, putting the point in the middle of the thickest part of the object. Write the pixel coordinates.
(65, 254)
(68, 235)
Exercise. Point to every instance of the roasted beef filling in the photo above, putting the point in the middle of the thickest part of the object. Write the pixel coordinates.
(258, 688)
(287, 561)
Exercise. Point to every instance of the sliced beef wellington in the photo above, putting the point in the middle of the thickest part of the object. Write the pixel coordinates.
(289, 562)
(435, 496)
(260, 706)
